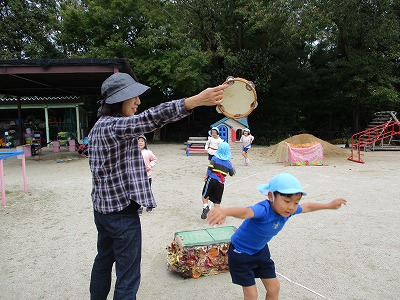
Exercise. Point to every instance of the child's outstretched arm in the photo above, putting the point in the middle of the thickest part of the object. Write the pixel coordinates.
(313, 206)
(218, 215)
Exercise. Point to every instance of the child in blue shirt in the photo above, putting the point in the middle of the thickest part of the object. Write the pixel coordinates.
(219, 167)
(248, 255)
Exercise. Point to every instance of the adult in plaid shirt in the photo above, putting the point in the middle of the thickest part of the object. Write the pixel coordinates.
(119, 179)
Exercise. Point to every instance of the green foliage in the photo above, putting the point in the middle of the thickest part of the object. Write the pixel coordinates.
(93, 28)
(319, 66)
(27, 29)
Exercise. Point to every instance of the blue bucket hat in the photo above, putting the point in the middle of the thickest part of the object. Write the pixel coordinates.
(284, 183)
(120, 87)
(246, 129)
(214, 128)
(224, 151)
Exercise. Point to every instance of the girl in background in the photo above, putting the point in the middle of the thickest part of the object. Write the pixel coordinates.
(149, 161)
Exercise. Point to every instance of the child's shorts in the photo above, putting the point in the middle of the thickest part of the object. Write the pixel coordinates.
(213, 189)
(245, 149)
(245, 268)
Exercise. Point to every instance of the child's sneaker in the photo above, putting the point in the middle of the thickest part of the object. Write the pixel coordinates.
(247, 161)
(205, 212)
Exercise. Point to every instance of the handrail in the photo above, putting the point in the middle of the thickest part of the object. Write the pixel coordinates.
(371, 136)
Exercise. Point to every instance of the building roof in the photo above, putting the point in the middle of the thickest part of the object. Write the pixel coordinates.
(41, 102)
(58, 77)
(242, 121)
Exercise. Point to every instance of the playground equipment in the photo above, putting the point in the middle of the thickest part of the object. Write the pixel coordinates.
(3, 156)
(307, 154)
(196, 144)
(377, 137)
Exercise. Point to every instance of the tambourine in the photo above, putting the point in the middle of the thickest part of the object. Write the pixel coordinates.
(240, 98)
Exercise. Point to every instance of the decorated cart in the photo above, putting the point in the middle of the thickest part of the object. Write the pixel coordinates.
(200, 252)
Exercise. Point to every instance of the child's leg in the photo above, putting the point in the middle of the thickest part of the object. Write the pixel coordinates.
(206, 191)
(206, 209)
(150, 208)
(272, 286)
(250, 292)
(205, 198)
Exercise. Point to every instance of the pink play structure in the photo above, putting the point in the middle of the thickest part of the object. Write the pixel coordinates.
(3, 156)
(309, 154)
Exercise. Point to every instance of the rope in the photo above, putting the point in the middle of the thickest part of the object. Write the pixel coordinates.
(246, 178)
(302, 286)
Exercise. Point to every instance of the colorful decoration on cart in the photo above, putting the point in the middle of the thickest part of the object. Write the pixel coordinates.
(200, 252)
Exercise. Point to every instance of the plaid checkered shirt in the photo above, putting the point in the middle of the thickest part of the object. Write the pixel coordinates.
(118, 171)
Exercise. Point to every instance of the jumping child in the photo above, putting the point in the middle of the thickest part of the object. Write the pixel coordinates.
(248, 255)
(217, 170)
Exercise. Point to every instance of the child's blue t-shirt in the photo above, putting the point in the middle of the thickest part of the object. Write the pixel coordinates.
(253, 234)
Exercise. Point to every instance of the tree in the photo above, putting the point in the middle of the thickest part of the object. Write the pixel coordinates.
(319, 66)
(360, 75)
(99, 28)
(27, 29)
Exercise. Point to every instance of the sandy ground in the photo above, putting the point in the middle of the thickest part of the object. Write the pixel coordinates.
(48, 238)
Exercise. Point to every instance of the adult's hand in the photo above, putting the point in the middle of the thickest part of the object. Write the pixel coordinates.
(208, 97)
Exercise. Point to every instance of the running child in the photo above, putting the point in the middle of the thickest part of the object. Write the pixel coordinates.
(248, 254)
(219, 167)
(246, 140)
(212, 142)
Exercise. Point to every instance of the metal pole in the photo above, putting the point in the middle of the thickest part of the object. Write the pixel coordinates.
(78, 122)
(21, 134)
(46, 116)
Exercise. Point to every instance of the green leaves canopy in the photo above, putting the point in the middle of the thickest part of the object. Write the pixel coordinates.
(319, 66)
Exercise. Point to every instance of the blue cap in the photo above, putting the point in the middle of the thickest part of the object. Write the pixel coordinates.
(284, 183)
(216, 129)
(224, 151)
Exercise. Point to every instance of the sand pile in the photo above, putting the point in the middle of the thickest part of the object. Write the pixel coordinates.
(330, 151)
